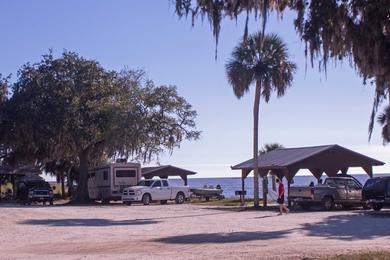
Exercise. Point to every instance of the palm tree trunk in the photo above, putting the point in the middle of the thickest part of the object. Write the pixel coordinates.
(256, 144)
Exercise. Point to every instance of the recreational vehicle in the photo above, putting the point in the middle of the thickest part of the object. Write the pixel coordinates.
(107, 182)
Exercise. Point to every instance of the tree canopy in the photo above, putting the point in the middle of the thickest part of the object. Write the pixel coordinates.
(71, 108)
(354, 30)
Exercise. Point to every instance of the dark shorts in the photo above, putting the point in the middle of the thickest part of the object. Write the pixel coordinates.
(280, 200)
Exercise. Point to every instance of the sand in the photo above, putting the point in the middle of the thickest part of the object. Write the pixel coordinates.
(185, 232)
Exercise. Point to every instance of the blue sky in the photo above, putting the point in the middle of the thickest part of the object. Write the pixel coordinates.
(318, 109)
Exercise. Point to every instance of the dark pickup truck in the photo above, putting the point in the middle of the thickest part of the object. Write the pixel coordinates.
(376, 192)
(35, 190)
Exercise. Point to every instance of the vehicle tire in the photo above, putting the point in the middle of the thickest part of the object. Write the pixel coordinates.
(180, 198)
(163, 202)
(51, 203)
(327, 203)
(366, 205)
(377, 206)
(44, 203)
(127, 203)
(146, 199)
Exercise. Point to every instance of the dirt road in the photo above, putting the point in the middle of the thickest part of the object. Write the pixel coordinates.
(185, 232)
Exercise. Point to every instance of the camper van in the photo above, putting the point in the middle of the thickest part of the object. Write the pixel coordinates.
(107, 182)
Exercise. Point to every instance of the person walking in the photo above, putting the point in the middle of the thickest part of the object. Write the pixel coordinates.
(280, 200)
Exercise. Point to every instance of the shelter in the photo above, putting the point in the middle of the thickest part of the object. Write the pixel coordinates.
(328, 159)
(165, 171)
(10, 175)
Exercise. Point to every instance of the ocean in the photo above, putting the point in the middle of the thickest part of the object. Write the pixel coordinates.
(230, 185)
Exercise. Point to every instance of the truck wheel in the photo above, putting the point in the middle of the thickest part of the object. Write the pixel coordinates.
(327, 203)
(366, 205)
(180, 198)
(163, 202)
(377, 206)
(146, 199)
(127, 203)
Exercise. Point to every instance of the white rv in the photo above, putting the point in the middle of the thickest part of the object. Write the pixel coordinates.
(107, 182)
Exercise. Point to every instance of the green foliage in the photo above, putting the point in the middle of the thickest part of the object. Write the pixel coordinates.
(263, 60)
(72, 109)
(354, 30)
(270, 147)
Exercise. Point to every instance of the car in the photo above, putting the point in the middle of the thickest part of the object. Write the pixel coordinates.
(34, 190)
(150, 190)
(376, 192)
(344, 190)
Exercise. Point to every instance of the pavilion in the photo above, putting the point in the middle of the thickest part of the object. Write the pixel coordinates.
(328, 159)
(165, 171)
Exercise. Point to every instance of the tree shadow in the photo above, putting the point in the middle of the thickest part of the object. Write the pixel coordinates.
(89, 222)
(349, 227)
(221, 238)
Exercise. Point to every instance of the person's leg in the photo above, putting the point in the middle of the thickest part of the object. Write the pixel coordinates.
(281, 209)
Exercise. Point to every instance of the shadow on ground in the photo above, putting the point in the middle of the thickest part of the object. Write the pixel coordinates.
(357, 226)
(90, 222)
(233, 237)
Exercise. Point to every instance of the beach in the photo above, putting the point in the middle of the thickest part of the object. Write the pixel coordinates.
(186, 231)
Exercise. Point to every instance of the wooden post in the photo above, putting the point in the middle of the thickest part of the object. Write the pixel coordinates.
(288, 192)
(242, 197)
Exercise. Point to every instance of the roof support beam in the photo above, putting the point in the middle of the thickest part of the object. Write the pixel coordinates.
(317, 173)
(368, 170)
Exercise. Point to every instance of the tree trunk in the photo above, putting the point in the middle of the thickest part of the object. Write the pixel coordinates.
(62, 185)
(82, 184)
(256, 144)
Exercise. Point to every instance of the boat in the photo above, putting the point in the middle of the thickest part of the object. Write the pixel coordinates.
(207, 192)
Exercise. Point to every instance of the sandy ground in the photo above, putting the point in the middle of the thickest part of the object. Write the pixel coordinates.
(185, 232)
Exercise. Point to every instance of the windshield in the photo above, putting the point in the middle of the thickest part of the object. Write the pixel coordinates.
(145, 183)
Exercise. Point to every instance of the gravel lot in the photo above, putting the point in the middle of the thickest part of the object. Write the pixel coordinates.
(185, 232)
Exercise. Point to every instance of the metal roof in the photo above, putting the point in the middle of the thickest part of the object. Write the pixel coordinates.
(285, 157)
(165, 170)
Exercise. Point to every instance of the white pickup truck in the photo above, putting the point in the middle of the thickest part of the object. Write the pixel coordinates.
(156, 189)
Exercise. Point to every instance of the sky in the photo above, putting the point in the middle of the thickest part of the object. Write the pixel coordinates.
(318, 109)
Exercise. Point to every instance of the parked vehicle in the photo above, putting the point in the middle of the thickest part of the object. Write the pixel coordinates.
(155, 189)
(107, 182)
(34, 189)
(376, 192)
(346, 191)
(208, 192)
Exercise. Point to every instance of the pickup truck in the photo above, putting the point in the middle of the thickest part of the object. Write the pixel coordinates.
(147, 190)
(346, 191)
(376, 192)
(34, 190)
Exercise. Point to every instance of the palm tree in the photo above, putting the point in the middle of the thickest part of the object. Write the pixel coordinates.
(384, 121)
(261, 60)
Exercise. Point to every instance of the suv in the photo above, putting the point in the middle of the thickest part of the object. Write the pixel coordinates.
(376, 192)
(35, 190)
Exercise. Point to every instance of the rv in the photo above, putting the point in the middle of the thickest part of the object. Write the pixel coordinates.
(107, 182)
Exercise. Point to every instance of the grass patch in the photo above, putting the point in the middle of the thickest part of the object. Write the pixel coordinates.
(371, 255)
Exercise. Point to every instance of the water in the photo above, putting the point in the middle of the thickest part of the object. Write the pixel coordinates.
(230, 185)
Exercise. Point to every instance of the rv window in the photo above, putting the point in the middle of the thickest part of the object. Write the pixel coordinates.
(165, 183)
(125, 173)
(105, 175)
(156, 184)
